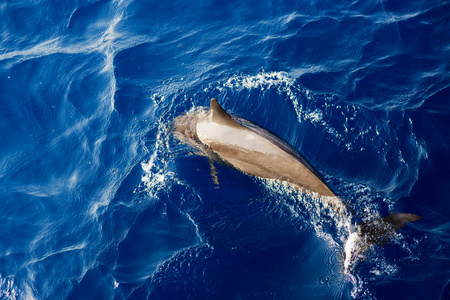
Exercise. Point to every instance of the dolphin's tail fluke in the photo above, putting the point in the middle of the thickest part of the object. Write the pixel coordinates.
(399, 220)
(375, 231)
(380, 231)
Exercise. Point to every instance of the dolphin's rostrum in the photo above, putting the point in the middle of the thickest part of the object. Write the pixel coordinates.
(258, 152)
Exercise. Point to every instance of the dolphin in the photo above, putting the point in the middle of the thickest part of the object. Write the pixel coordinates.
(253, 150)
(256, 151)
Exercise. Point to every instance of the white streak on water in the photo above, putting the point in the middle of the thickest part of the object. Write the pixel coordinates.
(80, 246)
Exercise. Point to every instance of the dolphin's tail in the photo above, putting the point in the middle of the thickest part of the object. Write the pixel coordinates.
(380, 231)
(375, 231)
(399, 220)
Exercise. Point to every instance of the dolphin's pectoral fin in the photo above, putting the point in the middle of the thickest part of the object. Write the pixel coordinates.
(214, 173)
(219, 115)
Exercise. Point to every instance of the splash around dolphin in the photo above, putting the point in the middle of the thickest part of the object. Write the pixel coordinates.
(258, 152)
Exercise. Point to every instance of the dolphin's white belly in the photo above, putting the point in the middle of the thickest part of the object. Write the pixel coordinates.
(255, 155)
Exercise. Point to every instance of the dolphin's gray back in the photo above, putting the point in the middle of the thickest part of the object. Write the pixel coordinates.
(273, 138)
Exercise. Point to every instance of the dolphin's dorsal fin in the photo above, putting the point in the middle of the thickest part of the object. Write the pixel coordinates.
(219, 115)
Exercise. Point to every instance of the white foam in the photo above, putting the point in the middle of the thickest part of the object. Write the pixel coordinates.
(262, 81)
(320, 211)
(156, 173)
(8, 289)
(349, 250)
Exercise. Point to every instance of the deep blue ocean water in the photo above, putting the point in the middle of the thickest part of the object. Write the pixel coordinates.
(100, 201)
